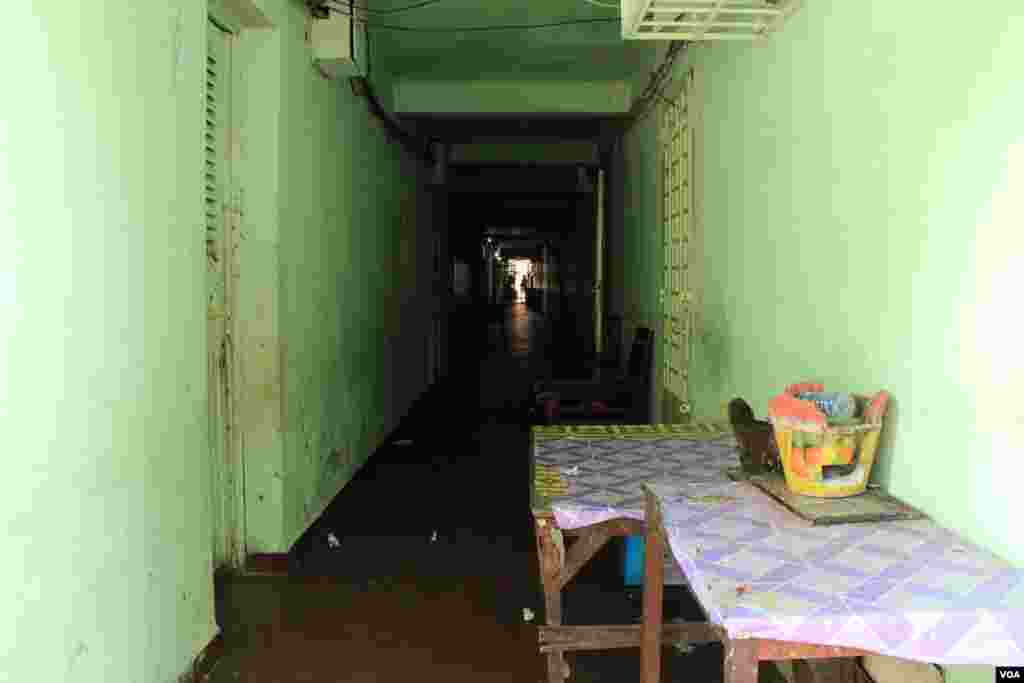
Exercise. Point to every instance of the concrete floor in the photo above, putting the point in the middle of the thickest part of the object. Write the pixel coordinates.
(389, 604)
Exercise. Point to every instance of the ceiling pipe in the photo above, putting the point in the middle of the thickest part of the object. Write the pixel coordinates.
(362, 87)
(416, 146)
(440, 152)
(583, 182)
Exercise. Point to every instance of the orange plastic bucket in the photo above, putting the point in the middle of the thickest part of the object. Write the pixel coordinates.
(826, 459)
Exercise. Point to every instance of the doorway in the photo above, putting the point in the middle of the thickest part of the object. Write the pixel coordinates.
(522, 273)
(222, 224)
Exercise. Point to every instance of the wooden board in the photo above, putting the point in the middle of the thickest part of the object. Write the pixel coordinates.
(871, 506)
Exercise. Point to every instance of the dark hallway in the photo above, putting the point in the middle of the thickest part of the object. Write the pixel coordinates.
(422, 566)
(267, 406)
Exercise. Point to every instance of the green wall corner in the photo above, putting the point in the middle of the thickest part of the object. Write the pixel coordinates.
(857, 198)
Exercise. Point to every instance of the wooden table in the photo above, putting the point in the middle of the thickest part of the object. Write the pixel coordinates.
(604, 499)
(741, 656)
(891, 607)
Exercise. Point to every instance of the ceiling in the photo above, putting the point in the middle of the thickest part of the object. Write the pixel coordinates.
(456, 128)
(560, 77)
(583, 51)
(501, 216)
(511, 181)
(576, 63)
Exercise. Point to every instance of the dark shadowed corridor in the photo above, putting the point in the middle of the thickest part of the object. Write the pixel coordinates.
(390, 601)
(279, 280)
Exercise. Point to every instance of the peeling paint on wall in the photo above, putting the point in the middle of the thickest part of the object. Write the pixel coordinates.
(351, 206)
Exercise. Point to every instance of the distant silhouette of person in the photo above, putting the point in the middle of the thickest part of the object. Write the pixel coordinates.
(522, 286)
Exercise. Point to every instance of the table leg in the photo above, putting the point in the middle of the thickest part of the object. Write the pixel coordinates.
(590, 540)
(551, 556)
(654, 589)
(741, 661)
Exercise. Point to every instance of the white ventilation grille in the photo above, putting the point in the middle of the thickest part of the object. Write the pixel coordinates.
(704, 19)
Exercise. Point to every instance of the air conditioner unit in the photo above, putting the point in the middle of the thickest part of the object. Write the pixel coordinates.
(704, 19)
(339, 44)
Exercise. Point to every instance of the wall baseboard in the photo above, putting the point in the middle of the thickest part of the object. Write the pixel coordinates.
(205, 662)
(272, 564)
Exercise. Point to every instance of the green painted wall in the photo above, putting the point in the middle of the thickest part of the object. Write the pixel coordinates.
(257, 112)
(611, 97)
(641, 254)
(103, 325)
(633, 243)
(335, 338)
(102, 339)
(632, 239)
(858, 197)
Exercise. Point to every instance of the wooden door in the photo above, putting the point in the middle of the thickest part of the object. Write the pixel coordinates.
(222, 223)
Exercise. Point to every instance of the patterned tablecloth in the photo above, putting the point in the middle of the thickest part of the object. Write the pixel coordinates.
(603, 469)
(908, 589)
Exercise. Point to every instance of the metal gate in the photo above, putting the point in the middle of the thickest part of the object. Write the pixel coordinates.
(676, 296)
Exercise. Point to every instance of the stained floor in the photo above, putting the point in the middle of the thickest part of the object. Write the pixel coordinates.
(434, 557)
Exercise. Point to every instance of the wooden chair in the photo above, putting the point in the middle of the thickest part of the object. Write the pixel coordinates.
(756, 438)
(623, 399)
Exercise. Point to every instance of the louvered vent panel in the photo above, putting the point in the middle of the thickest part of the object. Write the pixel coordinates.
(213, 135)
(704, 19)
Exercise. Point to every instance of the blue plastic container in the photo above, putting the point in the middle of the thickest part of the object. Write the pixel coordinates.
(633, 562)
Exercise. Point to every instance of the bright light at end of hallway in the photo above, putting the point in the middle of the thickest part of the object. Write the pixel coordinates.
(522, 272)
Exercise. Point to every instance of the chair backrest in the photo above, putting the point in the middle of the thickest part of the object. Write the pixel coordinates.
(641, 355)
(613, 339)
(740, 412)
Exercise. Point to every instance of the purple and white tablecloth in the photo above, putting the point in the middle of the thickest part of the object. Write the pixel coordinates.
(605, 475)
(909, 589)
